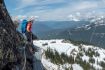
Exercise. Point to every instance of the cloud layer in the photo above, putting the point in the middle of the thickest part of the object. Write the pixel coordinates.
(57, 9)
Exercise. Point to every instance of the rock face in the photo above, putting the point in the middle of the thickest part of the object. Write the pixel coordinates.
(10, 40)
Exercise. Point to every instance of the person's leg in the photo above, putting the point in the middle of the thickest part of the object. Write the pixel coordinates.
(28, 36)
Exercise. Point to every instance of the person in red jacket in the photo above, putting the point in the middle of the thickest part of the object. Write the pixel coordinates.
(29, 31)
(29, 26)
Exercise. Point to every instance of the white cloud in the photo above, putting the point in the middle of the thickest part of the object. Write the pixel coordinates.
(62, 12)
(25, 3)
(85, 5)
(22, 17)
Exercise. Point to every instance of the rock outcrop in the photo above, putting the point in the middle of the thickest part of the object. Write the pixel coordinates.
(10, 40)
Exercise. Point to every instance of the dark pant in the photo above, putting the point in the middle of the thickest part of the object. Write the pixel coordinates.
(29, 36)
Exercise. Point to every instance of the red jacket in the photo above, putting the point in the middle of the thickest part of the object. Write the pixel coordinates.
(29, 26)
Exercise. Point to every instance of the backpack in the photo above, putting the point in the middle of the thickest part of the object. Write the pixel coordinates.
(24, 26)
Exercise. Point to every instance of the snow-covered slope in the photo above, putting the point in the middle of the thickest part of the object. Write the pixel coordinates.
(84, 56)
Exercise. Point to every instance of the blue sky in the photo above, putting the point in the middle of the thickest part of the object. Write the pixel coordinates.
(55, 9)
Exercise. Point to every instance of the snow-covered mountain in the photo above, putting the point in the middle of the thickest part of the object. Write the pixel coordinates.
(94, 30)
(94, 22)
(69, 55)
